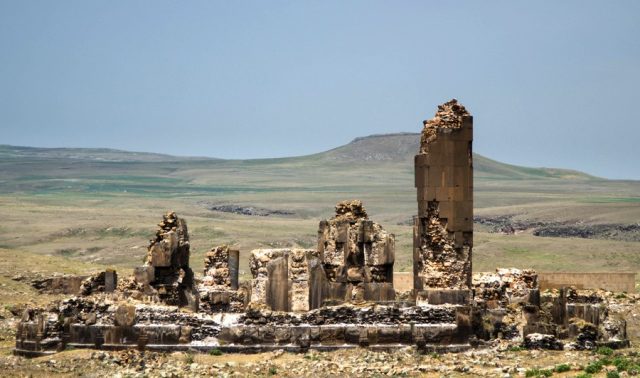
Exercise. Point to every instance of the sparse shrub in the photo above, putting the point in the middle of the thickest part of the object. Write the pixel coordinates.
(605, 361)
(621, 295)
(215, 352)
(593, 367)
(621, 363)
(633, 369)
(584, 375)
(538, 373)
(605, 351)
(562, 368)
(515, 348)
(188, 358)
(613, 374)
(273, 370)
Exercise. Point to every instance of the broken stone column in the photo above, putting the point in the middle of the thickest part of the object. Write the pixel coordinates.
(110, 280)
(357, 255)
(443, 229)
(166, 273)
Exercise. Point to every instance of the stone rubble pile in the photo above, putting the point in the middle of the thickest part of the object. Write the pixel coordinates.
(346, 313)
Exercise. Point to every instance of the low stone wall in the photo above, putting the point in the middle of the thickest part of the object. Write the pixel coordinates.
(66, 284)
(612, 281)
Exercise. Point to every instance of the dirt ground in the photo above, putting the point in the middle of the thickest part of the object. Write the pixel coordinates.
(498, 361)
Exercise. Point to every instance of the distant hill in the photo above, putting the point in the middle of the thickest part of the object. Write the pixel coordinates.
(402, 147)
(86, 154)
(390, 148)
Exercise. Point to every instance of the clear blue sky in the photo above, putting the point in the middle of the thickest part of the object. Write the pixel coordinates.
(550, 83)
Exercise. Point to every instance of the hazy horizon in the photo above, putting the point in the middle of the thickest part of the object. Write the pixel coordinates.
(549, 84)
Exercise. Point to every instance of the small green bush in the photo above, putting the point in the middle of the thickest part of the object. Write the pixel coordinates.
(605, 351)
(605, 361)
(613, 374)
(273, 370)
(562, 368)
(633, 369)
(593, 367)
(188, 359)
(583, 375)
(538, 373)
(215, 352)
(515, 348)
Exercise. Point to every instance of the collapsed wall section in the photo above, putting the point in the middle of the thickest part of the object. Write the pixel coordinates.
(220, 290)
(166, 274)
(443, 229)
(357, 255)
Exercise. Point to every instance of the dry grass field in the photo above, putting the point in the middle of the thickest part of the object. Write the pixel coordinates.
(101, 206)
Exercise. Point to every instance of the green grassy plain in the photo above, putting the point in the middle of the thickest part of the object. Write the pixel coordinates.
(101, 206)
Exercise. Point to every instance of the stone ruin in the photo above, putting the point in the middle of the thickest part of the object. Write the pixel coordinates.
(338, 295)
(166, 275)
(443, 229)
(357, 255)
(220, 289)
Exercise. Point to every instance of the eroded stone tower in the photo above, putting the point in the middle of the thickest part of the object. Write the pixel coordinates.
(443, 229)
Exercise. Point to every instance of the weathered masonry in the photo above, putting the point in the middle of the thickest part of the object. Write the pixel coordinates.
(443, 229)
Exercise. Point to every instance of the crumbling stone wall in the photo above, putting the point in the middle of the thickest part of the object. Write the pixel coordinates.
(355, 250)
(443, 229)
(166, 273)
(221, 267)
(219, 290)
(505, 286)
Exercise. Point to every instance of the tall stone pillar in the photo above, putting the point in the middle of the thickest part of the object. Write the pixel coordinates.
(443, 229)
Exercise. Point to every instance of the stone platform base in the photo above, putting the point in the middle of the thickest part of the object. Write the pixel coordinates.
(252, 349)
